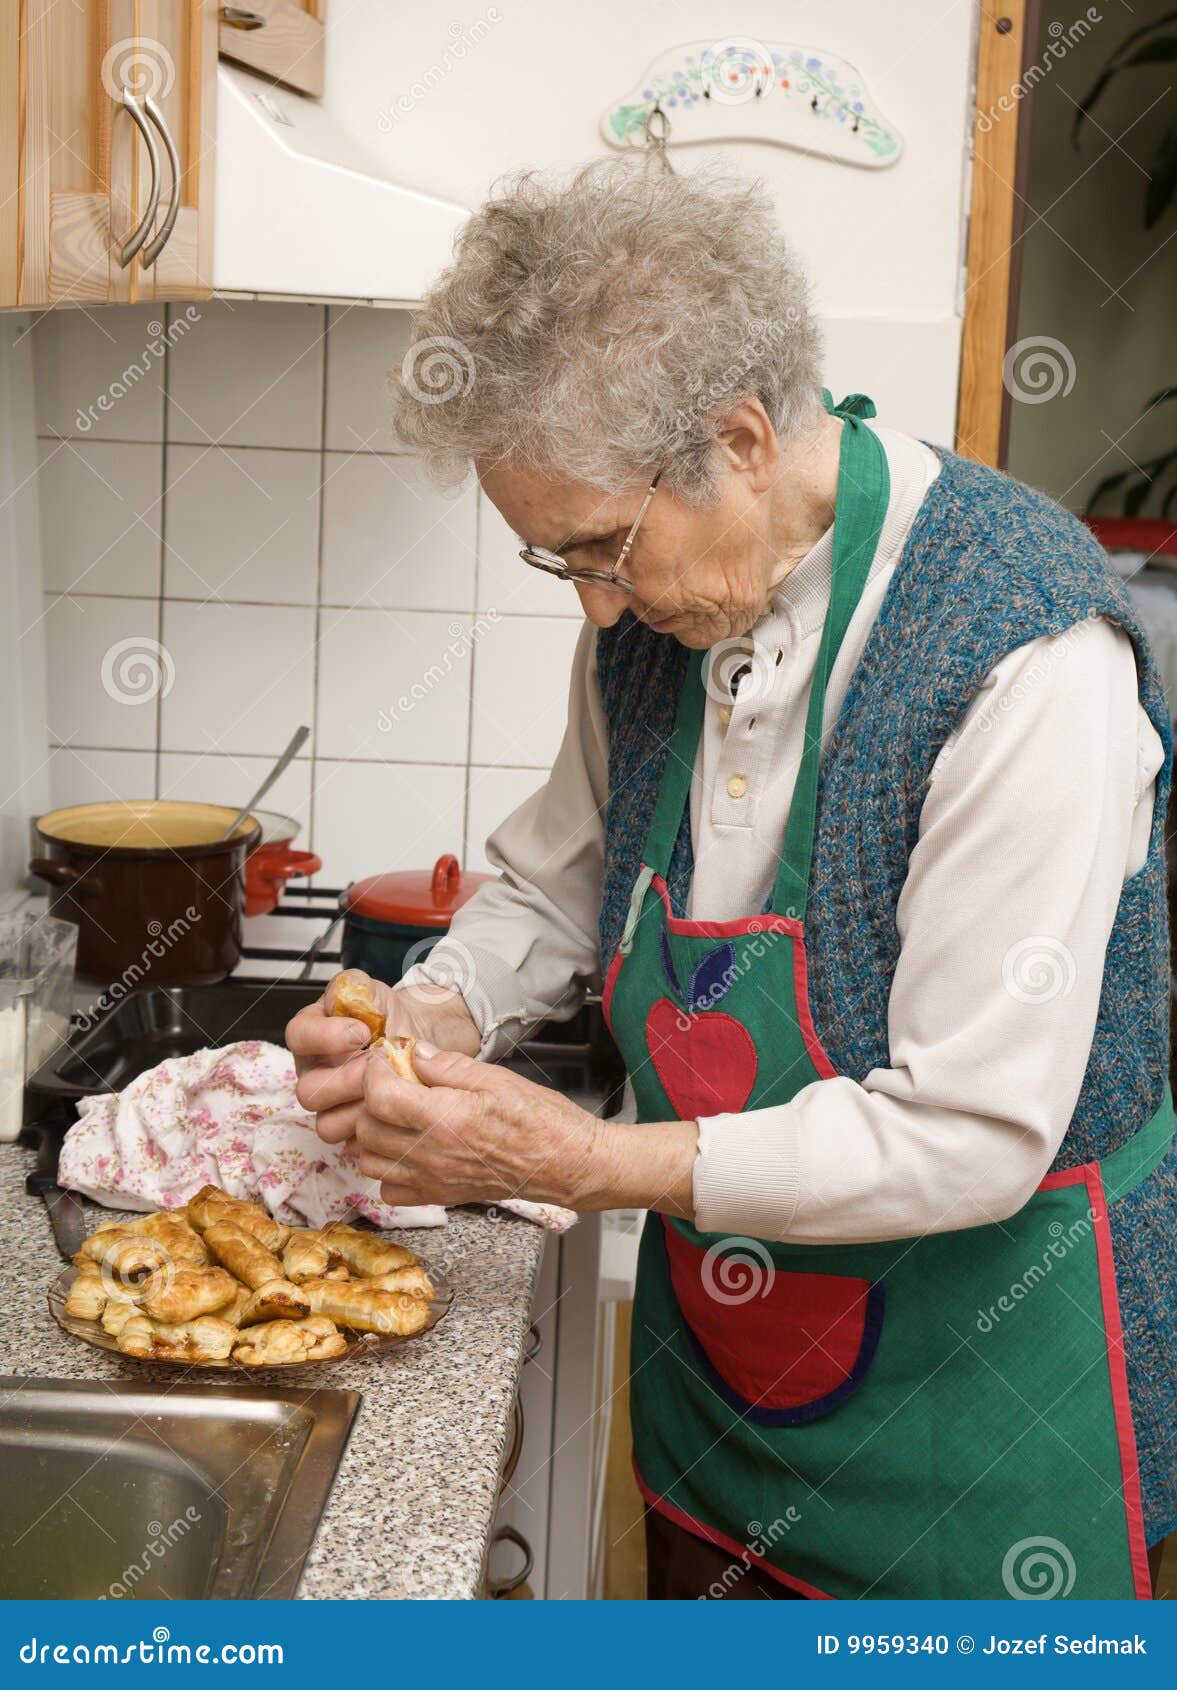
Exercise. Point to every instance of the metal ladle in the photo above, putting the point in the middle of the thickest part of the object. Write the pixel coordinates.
(299, 739)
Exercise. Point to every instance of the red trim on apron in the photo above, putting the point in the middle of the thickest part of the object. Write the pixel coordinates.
(721, 1541)
(745, 924)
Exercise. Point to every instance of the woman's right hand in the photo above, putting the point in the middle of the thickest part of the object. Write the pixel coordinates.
(330, 1051)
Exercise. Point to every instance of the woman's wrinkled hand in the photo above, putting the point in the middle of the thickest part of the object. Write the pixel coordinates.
(473, 1133)
(331, 1051)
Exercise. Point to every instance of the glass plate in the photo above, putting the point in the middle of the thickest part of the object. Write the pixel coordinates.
(358, 1344)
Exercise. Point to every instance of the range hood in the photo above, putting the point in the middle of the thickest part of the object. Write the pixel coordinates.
(301, 211)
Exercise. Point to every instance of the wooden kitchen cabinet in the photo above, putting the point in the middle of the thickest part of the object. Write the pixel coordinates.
(76, 174)
(278, 38)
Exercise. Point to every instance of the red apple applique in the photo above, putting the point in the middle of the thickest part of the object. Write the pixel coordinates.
(705, 1058)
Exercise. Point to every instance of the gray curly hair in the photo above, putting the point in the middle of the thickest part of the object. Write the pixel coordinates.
(601, 326)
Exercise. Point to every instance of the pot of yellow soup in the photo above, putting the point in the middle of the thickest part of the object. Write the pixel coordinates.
(155, 892)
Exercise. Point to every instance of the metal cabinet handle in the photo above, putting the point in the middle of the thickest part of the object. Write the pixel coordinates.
(152, 251)
(131, 246)
(238, 18)
(504, 1587)
(534, 1344)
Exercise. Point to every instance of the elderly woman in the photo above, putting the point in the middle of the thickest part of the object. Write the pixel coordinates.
(858, 824)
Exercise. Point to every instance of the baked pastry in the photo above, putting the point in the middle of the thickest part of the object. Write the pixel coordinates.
(122, 1253)
(170, 1228)
(180, 1294)
(241, 1253)
(87, 1297)
(350, 994)
(119, 1308)
(205, 1339)
(280, 1342)
(233, 1311)
(414, 1281)
(357, 1305)
(366, 1253)
(211, 1205)
(398, 1053)
(305, 1255)
(276, 1300)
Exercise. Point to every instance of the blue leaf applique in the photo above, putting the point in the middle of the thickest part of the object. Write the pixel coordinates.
(711, 979)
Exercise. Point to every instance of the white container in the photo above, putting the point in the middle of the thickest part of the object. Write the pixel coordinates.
(36, 987)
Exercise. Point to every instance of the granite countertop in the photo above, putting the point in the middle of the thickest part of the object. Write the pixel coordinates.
(414, 1499)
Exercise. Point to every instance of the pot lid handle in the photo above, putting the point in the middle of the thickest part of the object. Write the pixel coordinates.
(446, 875)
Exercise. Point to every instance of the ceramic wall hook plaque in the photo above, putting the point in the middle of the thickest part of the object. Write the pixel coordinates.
(739, 89)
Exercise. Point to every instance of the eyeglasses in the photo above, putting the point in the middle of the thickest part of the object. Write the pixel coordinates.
(553, 564)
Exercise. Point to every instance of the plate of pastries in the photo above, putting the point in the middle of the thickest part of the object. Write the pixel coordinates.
(221, 1283)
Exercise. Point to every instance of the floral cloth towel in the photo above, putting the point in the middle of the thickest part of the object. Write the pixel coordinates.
(230, 1118)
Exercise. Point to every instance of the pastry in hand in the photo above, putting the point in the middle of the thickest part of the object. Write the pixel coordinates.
(284, 1341)
(278, 1299)
(398, 1053)
(357, 1305)
(366, 1252)
(211, 1205)
(350, 994)
(241, 1253)
(174, 1295)
(414, 1281)
(205, 1339)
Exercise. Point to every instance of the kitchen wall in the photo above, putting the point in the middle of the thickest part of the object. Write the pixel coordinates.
(232, 545)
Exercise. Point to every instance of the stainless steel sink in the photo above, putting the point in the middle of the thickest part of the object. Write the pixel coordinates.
(193, 1490)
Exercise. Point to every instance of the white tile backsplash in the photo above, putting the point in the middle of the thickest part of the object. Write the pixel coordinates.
(249, 374)
(521, 672)
(263, 546)
(371, 818)
(279, 560)
(362, 348)
(493, 795)
(99, 374)
(390, 538)
(100, 516)
(217, 779)
(506, 583)
(105, 671)
(90, 777)
(393, 685)
(244, 677)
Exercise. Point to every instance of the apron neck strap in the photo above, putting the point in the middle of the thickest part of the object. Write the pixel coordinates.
(864, 487)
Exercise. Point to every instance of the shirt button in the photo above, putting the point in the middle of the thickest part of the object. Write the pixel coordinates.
(737, 786)
(725, 714)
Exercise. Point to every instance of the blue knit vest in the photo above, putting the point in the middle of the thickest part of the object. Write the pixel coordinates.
(989, 564)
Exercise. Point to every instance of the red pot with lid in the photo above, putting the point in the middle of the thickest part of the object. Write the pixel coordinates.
(391, 921)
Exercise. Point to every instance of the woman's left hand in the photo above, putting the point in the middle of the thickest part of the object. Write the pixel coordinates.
(474, 1133)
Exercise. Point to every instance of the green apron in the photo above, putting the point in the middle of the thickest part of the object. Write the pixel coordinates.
(944, 1416)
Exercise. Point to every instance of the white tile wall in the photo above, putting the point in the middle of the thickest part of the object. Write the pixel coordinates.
(234, 545)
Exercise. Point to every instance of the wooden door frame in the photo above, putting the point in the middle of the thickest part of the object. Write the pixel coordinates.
(1007, 39)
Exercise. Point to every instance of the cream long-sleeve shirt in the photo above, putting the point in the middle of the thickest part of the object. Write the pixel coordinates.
(1038, 809)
